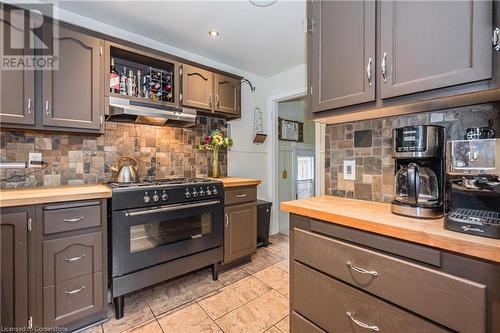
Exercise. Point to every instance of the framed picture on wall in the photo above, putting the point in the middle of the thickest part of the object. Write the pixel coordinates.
(290, 130)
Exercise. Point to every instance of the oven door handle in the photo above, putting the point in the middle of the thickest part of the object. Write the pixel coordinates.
(172, 208)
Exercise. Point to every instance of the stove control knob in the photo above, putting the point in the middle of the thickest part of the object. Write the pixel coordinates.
(187, 194)
(202, 192)
(208, 192)
(214, 191)
(156, 197)
(146, 199)
(164, 197)
(195, 193)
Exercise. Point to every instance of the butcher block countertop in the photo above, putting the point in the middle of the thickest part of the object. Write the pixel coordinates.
(42, 195)
(236, 182)
(377, 218)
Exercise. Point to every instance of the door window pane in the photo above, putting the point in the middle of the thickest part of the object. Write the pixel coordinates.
(305, 176)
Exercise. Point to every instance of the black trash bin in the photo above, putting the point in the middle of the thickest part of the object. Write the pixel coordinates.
(263, 220)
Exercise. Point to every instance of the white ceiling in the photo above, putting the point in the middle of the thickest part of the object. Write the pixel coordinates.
(261, 40)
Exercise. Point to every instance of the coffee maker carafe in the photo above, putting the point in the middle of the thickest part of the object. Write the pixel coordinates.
(419, 171)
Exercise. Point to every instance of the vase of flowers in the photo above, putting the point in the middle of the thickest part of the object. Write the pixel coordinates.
(213, 143)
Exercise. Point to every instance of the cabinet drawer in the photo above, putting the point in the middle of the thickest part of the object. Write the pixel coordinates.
(66, 217)
(69, 257)
(336, 307)
(300, 324)
(240, 195)
(71, 300)
(458, 303)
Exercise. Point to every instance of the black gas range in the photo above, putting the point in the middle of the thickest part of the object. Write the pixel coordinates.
(160, 229)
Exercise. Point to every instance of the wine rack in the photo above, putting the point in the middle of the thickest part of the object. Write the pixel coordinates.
(155, 83)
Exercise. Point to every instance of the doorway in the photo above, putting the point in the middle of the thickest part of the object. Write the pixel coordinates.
(296, 158)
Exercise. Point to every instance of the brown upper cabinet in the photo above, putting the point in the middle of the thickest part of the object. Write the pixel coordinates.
(425, 49)
(17, 87)
(72, 93)
(227, 94)
(213, 92)
(197, 87)
(427, 45)
(341, 53)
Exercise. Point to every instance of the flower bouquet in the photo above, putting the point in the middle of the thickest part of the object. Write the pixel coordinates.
(213, 143)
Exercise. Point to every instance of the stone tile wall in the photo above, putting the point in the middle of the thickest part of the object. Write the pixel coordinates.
(369, 144)
(79, 159)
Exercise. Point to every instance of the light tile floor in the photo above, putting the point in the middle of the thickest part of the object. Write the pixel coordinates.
(249, 298)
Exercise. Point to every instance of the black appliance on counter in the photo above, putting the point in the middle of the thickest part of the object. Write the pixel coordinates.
(419, 171)
(473, 187)
(161, 229)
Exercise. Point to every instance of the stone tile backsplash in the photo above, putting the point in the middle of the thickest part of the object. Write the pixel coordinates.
(369, 144)
(80, 159)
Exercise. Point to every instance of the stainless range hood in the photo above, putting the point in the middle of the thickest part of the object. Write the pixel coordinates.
(129, 111)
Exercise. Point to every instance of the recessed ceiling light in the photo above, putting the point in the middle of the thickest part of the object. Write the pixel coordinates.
(213, 33)
(262, 3)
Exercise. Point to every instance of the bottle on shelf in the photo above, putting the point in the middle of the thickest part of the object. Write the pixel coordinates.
(138, 87)
(130, 83)
(145, 90)
(114, 78)
(123, 82)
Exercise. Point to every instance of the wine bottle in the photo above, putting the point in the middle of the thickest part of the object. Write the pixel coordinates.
(123, 82)
(138, 88)
(130, 83)
(114, 78)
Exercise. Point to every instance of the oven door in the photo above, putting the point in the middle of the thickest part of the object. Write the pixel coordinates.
(145, 237)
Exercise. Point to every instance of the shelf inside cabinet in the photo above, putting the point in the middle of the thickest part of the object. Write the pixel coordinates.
(143, 78)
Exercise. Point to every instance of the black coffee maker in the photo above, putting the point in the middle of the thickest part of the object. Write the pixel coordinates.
(473, 187)
(419, 171)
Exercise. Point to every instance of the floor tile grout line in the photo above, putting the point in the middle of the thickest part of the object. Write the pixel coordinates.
(270, 288)
(208, 316)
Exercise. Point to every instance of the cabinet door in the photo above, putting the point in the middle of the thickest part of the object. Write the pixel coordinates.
(14, 268)
(17, 87)
(72, 95)
(430, 44)
(240, 233)
(227, 94)
(197, 87)
(341, 52)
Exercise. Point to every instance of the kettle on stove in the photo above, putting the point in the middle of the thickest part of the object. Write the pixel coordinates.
(125, 173)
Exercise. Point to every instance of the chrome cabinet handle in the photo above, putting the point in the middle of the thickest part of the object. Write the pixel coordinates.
(75, 258)
(217, 101)
(47, 109)
(29, 105)
(210, 100)
(74, 291)
(227, 220)
(241, 196)
(496, 39)
(384, 67)
(360, 323)
(369, 72)
(76, 219)
(359, 269)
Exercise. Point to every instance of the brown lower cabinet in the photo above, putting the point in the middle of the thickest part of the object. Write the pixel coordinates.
(347, 280)
(240, 224)
(53, 266)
